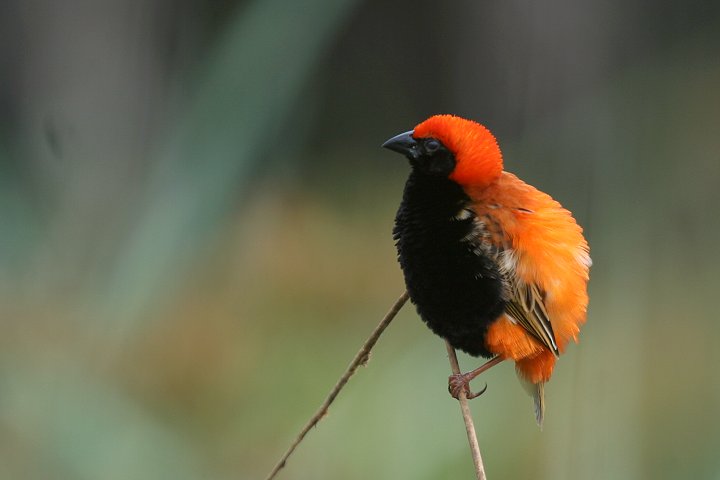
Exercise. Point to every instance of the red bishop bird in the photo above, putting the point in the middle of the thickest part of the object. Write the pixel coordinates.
(494, 266)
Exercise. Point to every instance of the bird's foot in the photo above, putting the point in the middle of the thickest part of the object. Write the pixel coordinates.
(460, 382)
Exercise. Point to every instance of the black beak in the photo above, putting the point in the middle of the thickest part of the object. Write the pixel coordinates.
(403, 143)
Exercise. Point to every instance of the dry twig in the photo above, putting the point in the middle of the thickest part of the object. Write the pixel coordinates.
(361, 358)
(467, 417)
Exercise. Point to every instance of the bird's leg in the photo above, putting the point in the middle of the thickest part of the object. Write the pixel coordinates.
(461, 381)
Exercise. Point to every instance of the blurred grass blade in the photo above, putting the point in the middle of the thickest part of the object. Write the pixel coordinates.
(249, 87)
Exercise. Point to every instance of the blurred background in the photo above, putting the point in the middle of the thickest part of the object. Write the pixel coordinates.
(195, 234)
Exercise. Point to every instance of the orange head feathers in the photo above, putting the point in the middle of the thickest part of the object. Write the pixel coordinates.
(477, 154)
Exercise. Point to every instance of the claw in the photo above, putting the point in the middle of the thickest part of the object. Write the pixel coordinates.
(459, 382)
(472, 395)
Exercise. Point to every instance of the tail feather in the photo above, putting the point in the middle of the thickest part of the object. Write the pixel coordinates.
(537, 392)
(539, 403)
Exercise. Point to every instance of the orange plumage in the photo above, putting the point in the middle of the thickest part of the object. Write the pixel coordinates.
(519, 234)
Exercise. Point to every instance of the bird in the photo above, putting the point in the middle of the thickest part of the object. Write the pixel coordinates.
(496, 267)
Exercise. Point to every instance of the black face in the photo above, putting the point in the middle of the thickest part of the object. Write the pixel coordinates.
(426, 155)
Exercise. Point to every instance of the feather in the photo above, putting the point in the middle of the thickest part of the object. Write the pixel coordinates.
(537, 392)
(527, 306)
(525, 302)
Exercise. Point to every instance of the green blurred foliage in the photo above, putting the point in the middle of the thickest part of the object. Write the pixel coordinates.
(195, 234)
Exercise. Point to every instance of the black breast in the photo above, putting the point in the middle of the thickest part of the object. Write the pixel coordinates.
(457, 291)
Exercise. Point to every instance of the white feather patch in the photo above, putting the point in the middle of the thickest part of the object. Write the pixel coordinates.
(583, 258)
(507, 262)
(463, 214)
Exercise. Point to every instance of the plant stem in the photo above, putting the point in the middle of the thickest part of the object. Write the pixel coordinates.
(361, 358)
(467, 417)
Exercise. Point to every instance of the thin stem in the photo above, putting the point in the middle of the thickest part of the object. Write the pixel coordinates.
(361, 358)
(467, 417)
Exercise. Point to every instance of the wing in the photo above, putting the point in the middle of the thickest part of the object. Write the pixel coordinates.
(525, 302)
(526, 306)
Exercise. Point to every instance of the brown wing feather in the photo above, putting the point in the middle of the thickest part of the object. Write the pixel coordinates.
(526, 305)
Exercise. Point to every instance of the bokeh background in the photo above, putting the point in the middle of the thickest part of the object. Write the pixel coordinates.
(195, 234)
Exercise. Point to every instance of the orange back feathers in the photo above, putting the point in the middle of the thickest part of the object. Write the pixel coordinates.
(549, 252)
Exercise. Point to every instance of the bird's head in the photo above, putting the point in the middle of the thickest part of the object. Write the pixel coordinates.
(445, 145)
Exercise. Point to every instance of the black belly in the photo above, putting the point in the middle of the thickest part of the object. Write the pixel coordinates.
(457, 291)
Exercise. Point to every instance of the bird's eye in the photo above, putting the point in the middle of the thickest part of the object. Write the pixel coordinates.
(432, 146)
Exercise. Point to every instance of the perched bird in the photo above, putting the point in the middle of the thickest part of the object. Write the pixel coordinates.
(494, 266)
